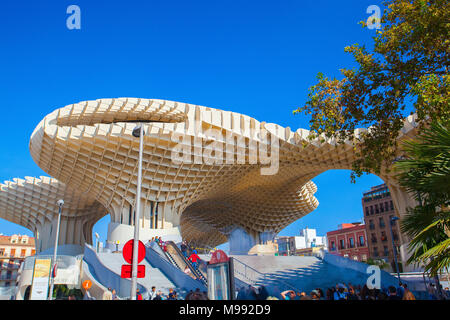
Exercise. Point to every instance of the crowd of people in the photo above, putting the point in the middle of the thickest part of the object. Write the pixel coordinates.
(341, 292)
(110, 294)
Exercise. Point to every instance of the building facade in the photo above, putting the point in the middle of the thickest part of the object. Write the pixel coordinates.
(349, 241)
(13, 251)
(378, 211)
(302, 244)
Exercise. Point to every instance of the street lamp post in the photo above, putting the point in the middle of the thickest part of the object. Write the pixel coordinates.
(391, 222)
(137, 132)
(97, 236)
(60, 203)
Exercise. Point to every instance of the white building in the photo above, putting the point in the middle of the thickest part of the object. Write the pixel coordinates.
(307, 239)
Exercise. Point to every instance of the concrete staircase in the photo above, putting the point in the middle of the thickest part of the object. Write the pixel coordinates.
(153, 276)
(303, 273)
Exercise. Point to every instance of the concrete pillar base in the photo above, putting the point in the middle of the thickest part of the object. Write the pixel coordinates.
(123, 233)
(268, 249)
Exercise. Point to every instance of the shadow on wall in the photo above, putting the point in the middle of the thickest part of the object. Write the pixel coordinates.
(241, 242)
(317, 275)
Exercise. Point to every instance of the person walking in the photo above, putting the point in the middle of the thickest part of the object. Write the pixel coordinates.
(152, 294)
(114, 295)
(340, 293)
(194, 259)
(87, 295)
(407, 295)
(172, 295)
(393, 294)
(159, 296)
(107, 295)
(288, 295)
(184, 249)
(138, 295)
(351, 294)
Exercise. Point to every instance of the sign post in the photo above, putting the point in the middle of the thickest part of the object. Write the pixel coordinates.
(127, 252)
(41, 277)
(87, 284)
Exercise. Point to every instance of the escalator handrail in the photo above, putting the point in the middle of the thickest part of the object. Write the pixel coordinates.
(172, 260)
(196, 272)
(168, 256)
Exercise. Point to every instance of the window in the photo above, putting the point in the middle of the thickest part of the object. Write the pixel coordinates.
(386, 206)
(375, 252)
(376, 209)
(2, 251)
(352, 243)
(381, 207)
(382, 225)
(342, 244)
(130, 218)
(371, 209)
(383, 236)
(371, 225)
(333, 246)
(392, 205)
(33, 252)
(12, 253)
(367, 211)
(156, 215)
(361, 241)
(374, 238)
(22, 252)
(151, 215)
(385, 251)
(364, 257)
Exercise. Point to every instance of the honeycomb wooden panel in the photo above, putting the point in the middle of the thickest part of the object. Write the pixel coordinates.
(89, 147)
(32, 203)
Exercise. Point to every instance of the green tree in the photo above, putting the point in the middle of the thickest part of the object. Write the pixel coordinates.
(407, 67)
(425, 173)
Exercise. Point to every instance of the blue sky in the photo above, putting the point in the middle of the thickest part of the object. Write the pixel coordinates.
(253, 57)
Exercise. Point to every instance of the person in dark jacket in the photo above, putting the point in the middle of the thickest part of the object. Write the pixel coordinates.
(393, 294)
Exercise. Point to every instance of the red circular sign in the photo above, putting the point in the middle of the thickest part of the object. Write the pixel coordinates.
(218, 256)
(127, 251)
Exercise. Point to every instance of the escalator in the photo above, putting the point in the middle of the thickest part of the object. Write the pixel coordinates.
(176, 257)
